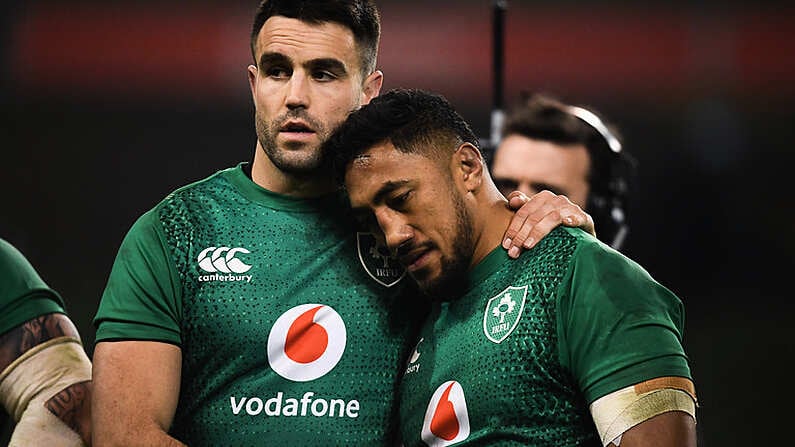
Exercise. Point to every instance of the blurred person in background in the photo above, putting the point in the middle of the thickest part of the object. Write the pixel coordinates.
(245, 309)
(568, 150)
(45, 378)
(572, 344)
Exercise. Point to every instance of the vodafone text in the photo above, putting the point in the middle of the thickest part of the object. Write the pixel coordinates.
(306, 406)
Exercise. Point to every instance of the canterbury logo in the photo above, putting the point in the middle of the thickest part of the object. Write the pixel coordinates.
(413, 366)
(306, 342)
(223, 260)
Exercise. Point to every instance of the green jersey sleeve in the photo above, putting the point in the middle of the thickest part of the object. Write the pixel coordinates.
(23, 294)
(142, 300)
(618, 326)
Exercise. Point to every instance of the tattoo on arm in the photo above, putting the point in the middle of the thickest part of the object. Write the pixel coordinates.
(18, 340)
(73, 406)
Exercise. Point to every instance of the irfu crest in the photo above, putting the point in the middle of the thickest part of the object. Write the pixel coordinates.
(377, 262)
(503, 313)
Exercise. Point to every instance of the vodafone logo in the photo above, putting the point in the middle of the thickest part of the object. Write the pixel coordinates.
(223, 260)
(306, 342)
(446, 419)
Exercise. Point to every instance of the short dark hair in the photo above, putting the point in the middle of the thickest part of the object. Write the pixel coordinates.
(543, 117)
(360, 16)
(612, 170)
(414, 121)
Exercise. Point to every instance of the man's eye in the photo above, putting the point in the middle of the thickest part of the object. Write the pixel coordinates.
(324, 76)
(400, 201)
(277, 72)
(506, 186)
(538, 187)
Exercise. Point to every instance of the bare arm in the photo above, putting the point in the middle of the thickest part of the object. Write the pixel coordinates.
(136, 388)
(537, 216)
(671, 429)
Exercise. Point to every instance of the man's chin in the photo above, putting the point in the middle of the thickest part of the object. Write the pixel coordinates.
(298, 161)
(442, 289)
(309, 147)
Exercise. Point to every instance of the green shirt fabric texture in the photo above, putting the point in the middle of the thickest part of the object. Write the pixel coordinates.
(23, 294)
(518, 358)
(284, 335)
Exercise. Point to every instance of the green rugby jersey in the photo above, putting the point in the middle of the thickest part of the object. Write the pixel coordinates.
(285, 336)
(23, 294)
(517, 360)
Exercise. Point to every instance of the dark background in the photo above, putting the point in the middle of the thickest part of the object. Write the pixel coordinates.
(108, 106)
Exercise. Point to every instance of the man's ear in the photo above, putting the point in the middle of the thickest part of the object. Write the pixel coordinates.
(252, 81)
(372, 86)
(469, 164)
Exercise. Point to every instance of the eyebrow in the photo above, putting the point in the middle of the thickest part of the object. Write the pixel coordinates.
(388, 188)
(274, 58)
(557, 190)
(328, 64)
(379, 196)
(324, 63)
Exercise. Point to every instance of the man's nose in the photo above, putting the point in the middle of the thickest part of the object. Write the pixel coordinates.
(297, 91)
(396, 229)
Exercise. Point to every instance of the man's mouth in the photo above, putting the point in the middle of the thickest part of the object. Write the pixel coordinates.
(415, 259)
(295, 127)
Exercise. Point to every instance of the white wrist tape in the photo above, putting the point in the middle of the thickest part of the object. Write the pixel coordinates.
(621, 410)
(31, 380)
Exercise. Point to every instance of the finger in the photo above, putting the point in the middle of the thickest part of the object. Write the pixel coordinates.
(571, 216)
(574, 216)
(541, 229)
(554, 211)
(531, 207)
(516, 199)
(527, 235)
(577, 218)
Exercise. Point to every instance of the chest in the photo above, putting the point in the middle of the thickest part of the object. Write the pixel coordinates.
(487, 367)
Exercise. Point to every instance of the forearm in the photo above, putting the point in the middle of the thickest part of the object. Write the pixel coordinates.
(72, 405)
(122, 423)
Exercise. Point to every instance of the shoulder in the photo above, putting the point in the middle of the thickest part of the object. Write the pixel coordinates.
(16, 270)
(11, 259)
(600, 277)
(556, 249)
(23, 293)
(597, 257)
(201, 188)
(586, 260)
(176, 206)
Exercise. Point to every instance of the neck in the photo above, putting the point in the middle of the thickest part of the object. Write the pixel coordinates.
(493, 217)
(307, 185)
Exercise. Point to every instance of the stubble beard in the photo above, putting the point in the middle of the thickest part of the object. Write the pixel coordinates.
(295, 158)
(452, 280)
